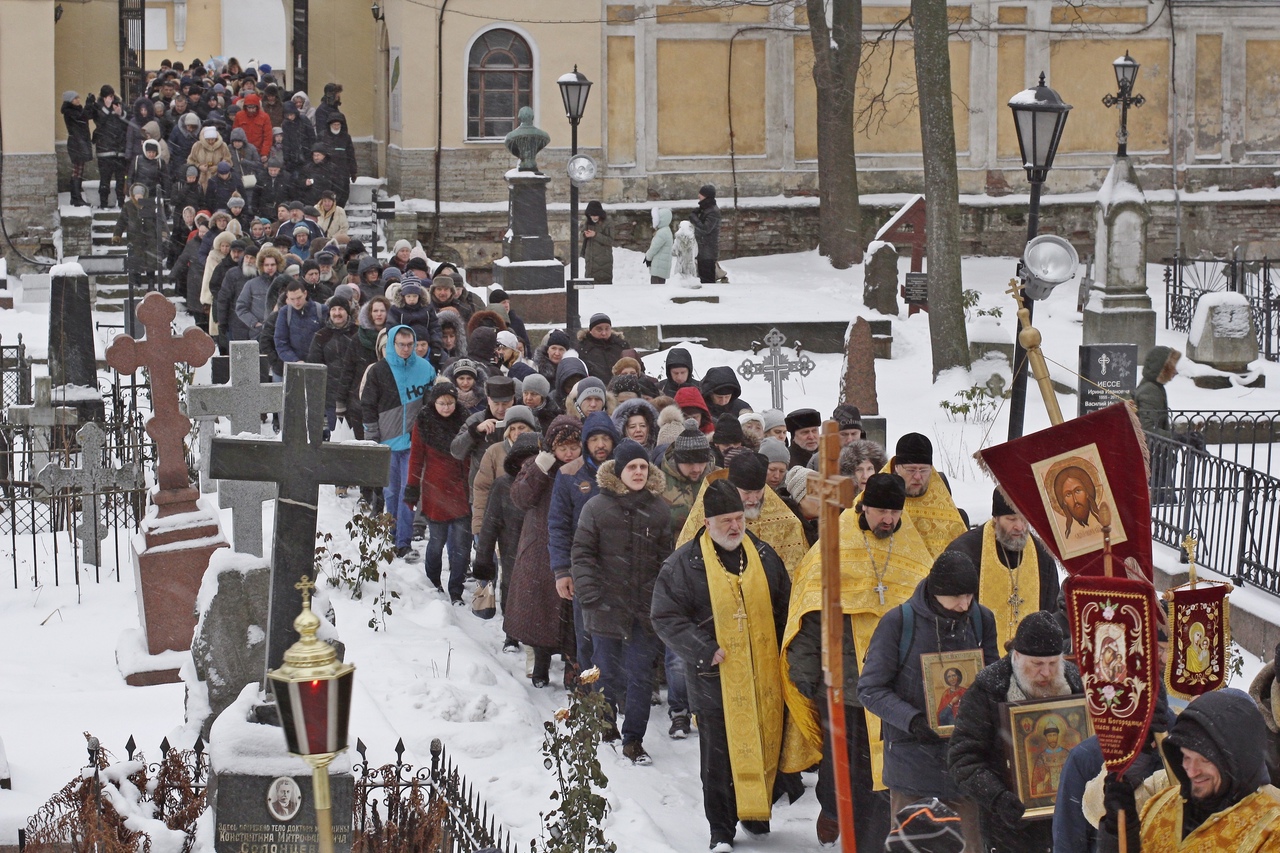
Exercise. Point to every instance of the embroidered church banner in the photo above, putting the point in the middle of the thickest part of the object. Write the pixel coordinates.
(1064, 478)
(1199, 636)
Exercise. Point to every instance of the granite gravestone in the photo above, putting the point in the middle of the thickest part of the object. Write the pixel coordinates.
(775, 366)
(72, 366)
(1107, 371)
(91, 479)
(880, 280)
(300, 462)
(1119, 306)
(44, 421)
(243, 401)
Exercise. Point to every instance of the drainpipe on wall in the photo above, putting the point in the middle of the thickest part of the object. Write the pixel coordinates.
(435, 224)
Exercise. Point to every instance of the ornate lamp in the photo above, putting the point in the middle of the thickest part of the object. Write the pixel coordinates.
(574, 89)
(1126, 69)
(313, 692)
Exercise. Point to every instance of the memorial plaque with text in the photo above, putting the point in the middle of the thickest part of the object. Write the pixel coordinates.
(265, 814)
(1108, 373)
(915, 288)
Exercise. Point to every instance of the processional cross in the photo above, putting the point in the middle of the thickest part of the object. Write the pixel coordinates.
(775, 366)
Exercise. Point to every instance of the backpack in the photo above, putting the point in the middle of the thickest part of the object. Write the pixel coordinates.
(909, 629)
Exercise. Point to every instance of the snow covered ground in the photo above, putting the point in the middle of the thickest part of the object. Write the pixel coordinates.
(437, 671)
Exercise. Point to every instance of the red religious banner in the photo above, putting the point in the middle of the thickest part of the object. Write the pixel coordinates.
(1199, 636)
(1113, 629)
(1067, 478)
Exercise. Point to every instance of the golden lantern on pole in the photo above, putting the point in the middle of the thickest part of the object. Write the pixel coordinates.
(312, 689)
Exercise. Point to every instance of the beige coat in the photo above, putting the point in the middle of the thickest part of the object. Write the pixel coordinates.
(206, 154)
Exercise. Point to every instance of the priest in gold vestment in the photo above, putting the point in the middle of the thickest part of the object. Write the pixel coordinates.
(882, 560)
(720, 602)
(929, 504)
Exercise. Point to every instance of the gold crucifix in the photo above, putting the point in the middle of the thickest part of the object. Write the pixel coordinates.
(306, 587)
(741, 616)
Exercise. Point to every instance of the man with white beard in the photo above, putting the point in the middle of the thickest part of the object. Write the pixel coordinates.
(1034, 669)
(1016, 574)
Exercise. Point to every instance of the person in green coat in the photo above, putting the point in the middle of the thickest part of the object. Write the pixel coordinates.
(1160, 365)
(597, 244)
(658, 258)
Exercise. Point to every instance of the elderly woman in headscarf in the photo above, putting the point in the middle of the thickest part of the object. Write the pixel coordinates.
(207, 152)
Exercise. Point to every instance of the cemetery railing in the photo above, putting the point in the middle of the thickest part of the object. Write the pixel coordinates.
(1232, 509)
(15, 375)
(1187, 279)
(392, 801)
(1249, 438)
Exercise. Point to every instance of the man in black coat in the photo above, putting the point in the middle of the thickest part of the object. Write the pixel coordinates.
(299, 136)
(483, 429)
(1034, 669)
(685, 619)
(110, 130)
(600, 347)
(318, 175)
(706, 230)
(141, 228)
(342, 153)
(944, 617)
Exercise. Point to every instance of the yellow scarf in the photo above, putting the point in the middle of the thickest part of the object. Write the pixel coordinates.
(934, 513)
(776, 525)
(1250, 826)
(859, 600)
(998, 584)
(750, 681)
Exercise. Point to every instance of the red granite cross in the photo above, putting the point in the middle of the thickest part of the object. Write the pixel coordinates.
(159, 352)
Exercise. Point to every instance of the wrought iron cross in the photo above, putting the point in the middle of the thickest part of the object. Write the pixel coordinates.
(775, 366)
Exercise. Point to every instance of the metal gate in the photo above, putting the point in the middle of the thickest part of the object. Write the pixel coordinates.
(132, 44)
(299, 62)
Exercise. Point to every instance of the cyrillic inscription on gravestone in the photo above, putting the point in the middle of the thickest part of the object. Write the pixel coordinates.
(915, 288)
(264, 814)
(1107, 372)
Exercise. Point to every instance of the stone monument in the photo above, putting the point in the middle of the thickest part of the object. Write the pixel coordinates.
(858, 383)
(880, 280)
(684, 257)
(1119, 307)
(528, 269)
(178, 535)
(72, 364)
(45, 422)
(1223, 337)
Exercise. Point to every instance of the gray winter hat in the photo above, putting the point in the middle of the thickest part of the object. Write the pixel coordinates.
(520, 415)
(591, 387)
(69, 96)
(538, 384)
(773, 418)
(775, 451)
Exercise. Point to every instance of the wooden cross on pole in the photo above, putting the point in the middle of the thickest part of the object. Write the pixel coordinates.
(775, 365)
(159, 353)
(836, 494)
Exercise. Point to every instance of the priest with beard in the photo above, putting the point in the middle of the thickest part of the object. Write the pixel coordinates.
(720, 603)
(929, 503)
(882, 561)
(1016, 574)
(1033, 669)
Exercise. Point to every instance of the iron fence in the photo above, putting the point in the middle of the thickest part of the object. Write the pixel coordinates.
(1187, 279)
(466, 823)
(1233, 510)
(15, 375)
(1248, 438)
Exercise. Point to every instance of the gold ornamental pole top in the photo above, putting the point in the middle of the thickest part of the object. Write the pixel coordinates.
(1189, 545)
(310, 657)
(1030, 339)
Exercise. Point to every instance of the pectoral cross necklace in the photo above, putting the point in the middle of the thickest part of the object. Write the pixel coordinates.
(1015, 600)
(879, 589)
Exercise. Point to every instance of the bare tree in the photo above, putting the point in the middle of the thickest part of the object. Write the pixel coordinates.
(837, 53)
(941, 185)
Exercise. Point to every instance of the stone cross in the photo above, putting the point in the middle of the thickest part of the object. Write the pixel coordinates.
(91, 479)
(159, 353)
(300, 461)
(243, 401)
(42, 417)
(775, 366)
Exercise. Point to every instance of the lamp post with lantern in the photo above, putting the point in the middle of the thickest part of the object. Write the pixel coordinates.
(1126, 69)
(574, 89)
(312, 690)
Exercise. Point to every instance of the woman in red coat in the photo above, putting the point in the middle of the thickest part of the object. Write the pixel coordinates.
(438, 486)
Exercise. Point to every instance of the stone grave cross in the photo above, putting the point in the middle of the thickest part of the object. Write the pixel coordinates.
(42, 417)
(243, 400)
(300, 461)
(775, 366)
(91, 479)
(159, 353)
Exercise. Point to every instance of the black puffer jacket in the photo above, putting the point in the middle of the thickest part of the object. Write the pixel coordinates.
(79, 148)
(706, 227)
(110, 129)
(621, 541)
(600, 356)
(678, 357)
(329, 347)
(682, 616)
(719, 377)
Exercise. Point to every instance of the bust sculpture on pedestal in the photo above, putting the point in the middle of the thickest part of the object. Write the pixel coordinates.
(526, 141)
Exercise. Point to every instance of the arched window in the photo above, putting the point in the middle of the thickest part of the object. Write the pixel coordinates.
(499, 83)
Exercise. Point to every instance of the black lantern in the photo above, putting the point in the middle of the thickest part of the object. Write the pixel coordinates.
(574, 89)
(1126, 68)
(1039, 115)
(312, 689)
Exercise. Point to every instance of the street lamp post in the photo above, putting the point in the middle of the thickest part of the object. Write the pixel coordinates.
(1126, 69)
(574, 89)
(1039, 116)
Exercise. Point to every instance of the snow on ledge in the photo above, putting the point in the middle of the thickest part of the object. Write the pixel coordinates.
(67, 269)
(253, 749)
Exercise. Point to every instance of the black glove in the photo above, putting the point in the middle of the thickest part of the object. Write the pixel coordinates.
(1117, 797)
(412, 494)
(1008, 809)
(921, 730)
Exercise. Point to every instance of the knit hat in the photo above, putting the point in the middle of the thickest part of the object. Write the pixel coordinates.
(884, 491)
(953, 573)
(1000, 506)
(597, 319)
(1038, 636)
(497, 296)
(625, 384)
(721, 498)
(193, 171)
(728, 430)
(346, 291)
(775, 451)
(68, 97)
(391, 274)
(209, 133)
(773, 418)
(626, 452)
(1187, 732)
(747, 471)
(559, 338)
(518, 414)
(508, 339)
(235, 201)
(337, 301)
(913, 449)
(748, 417)
(848, 417)
(565, 429)
(707, 191)
(803, 419)
(191, 119)
(410, 286)
(467, 366)
(416, 264)
(526, 444)
(499, 387)
(797, 482)
(591, 387)
(691, 447)
(537, 384)
(927, 826)
(223, 167)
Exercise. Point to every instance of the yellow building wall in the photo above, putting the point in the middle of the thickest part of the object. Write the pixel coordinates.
(1262, 95)
(75, 68)
(1081, 71)
(26, 43)
(342, 45)
(694, 120)
(622, 100)
(895, 127)
(1011, 78)
(805, 100)
(1208, 103)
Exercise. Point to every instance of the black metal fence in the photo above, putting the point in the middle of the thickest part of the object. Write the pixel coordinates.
(1187, 279)
(384, 795)
(1231, 508)
(15, 375)
(1248, 438)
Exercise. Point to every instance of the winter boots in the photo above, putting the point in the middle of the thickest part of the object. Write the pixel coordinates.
(77, 200)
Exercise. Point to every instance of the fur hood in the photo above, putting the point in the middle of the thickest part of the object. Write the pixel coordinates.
(270, 251)
(610, 483)
(454, 321)
(1160, 365)
(486, 318)
(636, 406)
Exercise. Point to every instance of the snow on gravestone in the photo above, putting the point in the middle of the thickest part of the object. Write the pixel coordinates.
(1222, 332)
(880, 287)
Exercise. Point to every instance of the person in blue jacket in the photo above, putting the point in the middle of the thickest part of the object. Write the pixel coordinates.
(297, 322)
